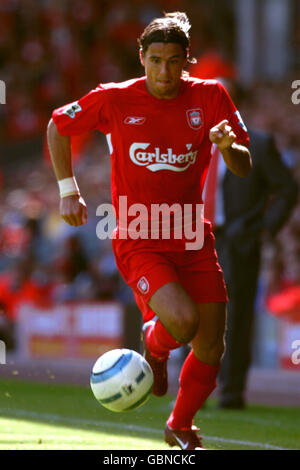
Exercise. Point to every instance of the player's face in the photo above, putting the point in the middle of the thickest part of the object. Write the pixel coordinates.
(163, 64)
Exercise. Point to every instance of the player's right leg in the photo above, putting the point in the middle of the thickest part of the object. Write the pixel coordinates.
(158, 292)
(176, 325)
(176, 311)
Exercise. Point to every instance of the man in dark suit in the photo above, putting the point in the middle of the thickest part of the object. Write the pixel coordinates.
(253, 208)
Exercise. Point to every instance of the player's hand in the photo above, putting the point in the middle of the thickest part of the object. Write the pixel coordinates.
(222, 135)
(73, 210)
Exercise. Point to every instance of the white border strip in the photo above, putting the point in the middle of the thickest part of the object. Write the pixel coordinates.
(128, 427)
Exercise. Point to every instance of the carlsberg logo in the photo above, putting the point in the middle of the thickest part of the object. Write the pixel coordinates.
(157, 160)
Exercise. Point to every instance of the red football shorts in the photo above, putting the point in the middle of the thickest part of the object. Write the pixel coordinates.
(145, 270)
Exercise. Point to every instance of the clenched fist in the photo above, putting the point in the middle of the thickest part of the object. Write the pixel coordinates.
(73, 210)
(222, 135)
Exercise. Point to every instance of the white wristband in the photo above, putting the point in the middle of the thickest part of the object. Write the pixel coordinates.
(68, 187)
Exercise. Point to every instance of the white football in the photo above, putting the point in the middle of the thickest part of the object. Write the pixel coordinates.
(121, 380)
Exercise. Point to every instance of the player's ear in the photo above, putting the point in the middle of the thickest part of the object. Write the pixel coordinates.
(141, 57)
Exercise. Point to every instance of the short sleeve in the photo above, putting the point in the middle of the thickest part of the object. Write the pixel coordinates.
(225, 109)
(86, 114)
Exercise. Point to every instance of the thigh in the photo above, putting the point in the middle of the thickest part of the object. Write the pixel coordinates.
(145, 272)
(208, 343)
(176, 310)
(201, 275)
(204, 287)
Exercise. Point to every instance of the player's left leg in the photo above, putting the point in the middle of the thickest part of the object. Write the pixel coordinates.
(209, 343)
(200, 369)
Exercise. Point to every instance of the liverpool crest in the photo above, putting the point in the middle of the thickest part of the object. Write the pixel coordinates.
(195, 118)
(143, 285)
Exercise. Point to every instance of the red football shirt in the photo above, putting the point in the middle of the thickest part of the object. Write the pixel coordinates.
(160, 149)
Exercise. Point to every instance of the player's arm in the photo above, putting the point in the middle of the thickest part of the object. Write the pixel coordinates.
(237, 157)
(72, 206)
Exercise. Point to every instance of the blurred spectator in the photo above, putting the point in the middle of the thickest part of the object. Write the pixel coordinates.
(74, 261)
(243, 213)
(17, 286)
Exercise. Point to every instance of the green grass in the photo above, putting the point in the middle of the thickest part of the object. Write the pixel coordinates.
(47, 416)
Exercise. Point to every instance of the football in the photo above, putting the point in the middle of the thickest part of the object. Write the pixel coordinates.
(121, 380)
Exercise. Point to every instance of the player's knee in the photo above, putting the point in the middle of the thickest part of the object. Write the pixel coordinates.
(210, 352)
(187, 326)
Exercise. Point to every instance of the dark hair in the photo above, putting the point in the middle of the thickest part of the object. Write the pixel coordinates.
(173, 27)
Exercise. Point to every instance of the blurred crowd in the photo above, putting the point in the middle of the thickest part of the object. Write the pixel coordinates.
(271, 108)
(53, 52)
(41, 257)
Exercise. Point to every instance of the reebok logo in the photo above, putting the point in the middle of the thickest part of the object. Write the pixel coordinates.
(134, 120)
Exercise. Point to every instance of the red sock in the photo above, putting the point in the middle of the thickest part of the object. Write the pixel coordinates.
(197, 381)
(159, 340)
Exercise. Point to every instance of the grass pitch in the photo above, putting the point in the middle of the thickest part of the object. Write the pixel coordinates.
(36, 416)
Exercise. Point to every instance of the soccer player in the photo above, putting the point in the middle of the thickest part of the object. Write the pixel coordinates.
(160, 129)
